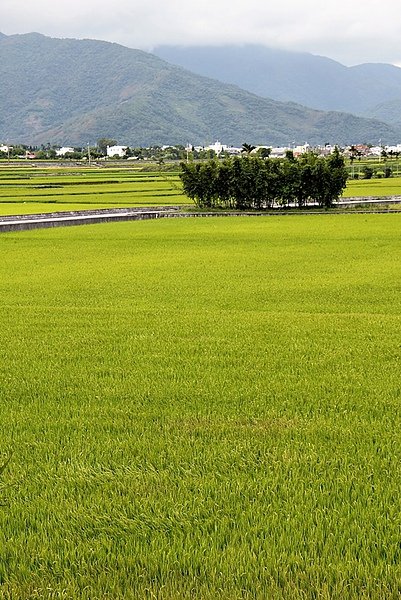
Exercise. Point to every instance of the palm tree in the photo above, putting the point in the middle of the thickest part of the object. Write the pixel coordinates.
(353, 153)
(247, 148)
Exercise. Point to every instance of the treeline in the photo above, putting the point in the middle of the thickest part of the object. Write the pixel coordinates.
(247, 182)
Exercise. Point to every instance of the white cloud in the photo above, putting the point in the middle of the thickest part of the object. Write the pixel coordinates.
(367, 31)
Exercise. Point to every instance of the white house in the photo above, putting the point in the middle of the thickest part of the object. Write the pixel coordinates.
(299, 150)
(396, 148)
(232, 150)
(64, 150)
(278, 152)
(116, 151)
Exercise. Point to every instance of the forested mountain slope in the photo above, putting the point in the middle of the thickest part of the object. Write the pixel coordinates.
(314, 81)
(66, 91)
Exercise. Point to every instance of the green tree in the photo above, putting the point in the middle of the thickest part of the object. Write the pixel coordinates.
(243, 182)
(264, 152)
(249, 182)
(224, 184)
(289, 155)
(338, 176)
(367, 172)
(103, 142)
(200, 182)
(273, 182)
(353, 154)
(305, 188)
(247, 148)
(289, 181)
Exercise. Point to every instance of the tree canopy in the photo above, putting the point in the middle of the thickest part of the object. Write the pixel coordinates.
(103, 142)
(250, 182)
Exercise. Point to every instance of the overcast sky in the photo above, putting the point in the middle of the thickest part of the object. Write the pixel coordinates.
(350, 32)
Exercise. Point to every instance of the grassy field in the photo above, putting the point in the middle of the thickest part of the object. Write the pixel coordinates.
(202, 409)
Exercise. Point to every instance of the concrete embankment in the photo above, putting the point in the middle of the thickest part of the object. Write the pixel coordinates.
(40, 221)
(64, 219)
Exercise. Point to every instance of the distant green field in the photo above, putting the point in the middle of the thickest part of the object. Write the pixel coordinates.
(202, 409)
(27, 190)
(374, 187)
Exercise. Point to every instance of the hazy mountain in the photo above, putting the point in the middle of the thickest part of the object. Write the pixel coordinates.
(311, 80)
(69, 91)
(388, 111)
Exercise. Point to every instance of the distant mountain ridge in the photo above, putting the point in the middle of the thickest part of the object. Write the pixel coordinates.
(67, 91)
(366, 90)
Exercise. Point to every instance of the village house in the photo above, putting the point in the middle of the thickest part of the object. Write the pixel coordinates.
(64, 150)
(116, 151)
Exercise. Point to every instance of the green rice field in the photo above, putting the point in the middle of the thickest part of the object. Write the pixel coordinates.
(30, 190)
(373, 187)
(202, 409)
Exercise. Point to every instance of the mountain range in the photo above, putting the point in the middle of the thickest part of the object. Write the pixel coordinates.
(67, 91)
(368, 90)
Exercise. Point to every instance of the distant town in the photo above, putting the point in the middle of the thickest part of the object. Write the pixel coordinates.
(109, 149)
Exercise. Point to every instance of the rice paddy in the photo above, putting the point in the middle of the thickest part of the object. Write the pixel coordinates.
(202, 409)
(28, 190)
(373, 187)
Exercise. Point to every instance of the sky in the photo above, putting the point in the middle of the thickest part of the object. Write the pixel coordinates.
(350, 32)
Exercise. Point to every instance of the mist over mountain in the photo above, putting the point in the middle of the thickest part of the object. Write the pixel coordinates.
(314, 81)
(67, 91)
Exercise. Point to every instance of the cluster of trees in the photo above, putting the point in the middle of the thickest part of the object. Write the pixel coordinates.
(367, 172)
(248, 182)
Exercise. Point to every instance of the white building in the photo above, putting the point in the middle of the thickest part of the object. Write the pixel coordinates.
(217, 147)
(116, 151)
(233, 151)
(299, 150)
(396, 148)
(278, 152)
(376, 150)
(64, 150)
